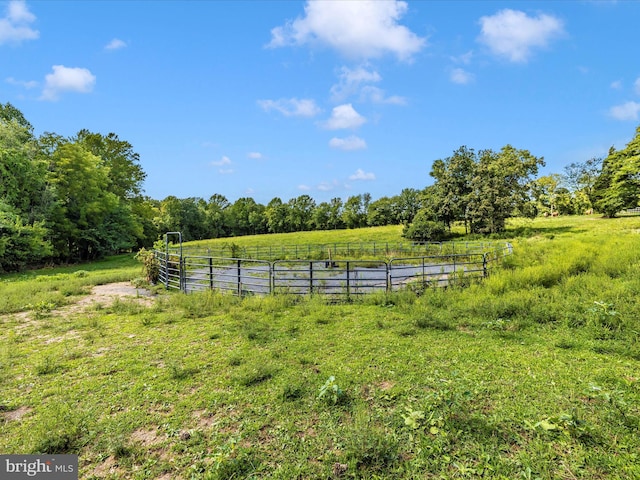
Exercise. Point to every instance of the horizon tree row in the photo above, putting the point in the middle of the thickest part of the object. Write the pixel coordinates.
(81, 198)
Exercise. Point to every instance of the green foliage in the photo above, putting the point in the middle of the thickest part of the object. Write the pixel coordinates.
(331, 392)
(422, 229)
(618, 185)
(150, 265)
(522, 376)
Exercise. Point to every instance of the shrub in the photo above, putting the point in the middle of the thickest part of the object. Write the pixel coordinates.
(422, 229)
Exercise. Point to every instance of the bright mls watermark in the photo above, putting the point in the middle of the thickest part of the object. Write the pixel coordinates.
(45, 467)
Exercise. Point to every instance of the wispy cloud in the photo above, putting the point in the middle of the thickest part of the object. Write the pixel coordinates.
(358, 82)
(115, 44)
(513, 34)
(358, 29)
(464, 59)
(255, 155)
(362, 175)
(67, 79)
(461, 76)
(636, 85)
(343, 117)
(15, 25)
(22, 83)
(223, 161)
(626, 111)
(350, 143)
(291, 107)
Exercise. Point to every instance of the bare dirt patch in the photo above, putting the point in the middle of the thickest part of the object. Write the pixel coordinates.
(106, 294)
(16, 414)
(146, 437)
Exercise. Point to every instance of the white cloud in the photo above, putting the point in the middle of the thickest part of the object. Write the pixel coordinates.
(617, 85)
(304, 188)
(358, 29)
(344, 116)
(464, 59)
(255, 155)
(225, 171)
(361, 175)
(461, 76)
(513, 34)
(291, 107)
(14, 27)
(626, 111)
(223, 161)
(21, 83)
(325, 187)
(115, 44)
(350, 81)
(67, 79)
(377, 95)
(636, 85)
(350, 143)
(358, 82)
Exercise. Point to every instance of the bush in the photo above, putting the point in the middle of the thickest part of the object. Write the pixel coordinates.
(150, 265)
(422, 229)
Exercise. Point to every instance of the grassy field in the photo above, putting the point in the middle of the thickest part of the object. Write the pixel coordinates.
(533, 373)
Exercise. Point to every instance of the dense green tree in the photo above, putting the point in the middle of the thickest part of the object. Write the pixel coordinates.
(217, 218)
(354, 211)
(408, 204)
(246, 217)
(21, 245)
(383, 211)
(454, 176)
(618, 185)
(301, 213)
(424, 229)
(500, 187)
(124, 171)
(84, 208)
(278, 216)
(581, 177)
(186, 215)
(21, 170)
(545, 192)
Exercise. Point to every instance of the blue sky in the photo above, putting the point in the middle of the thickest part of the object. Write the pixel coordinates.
(325, 98)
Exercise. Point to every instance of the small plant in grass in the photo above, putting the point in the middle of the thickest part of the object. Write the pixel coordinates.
(254, 376)
(331, 392)
(47, 365)
(370, 448)
(499, 324)
(179, 371)
(150, 265)
(567, 425)
(292, 392)
(604, 316)
(41, 309)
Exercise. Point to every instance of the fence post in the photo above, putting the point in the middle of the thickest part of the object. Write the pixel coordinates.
(182, 275)
(272, 277)
(310, 277)
(239, 279)
(484, 265)
(388, 266)
(348, 286)
(210, 273)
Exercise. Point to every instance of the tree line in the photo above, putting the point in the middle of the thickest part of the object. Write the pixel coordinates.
(81, 198)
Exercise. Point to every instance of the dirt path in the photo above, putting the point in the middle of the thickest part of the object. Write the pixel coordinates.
(106, 294)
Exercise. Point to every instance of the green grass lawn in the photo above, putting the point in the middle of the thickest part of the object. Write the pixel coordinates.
(533, 373)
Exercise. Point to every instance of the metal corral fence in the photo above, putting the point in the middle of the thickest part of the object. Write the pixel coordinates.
(189, 272)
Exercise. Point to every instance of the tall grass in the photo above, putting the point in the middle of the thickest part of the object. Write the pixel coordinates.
(532, 373)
